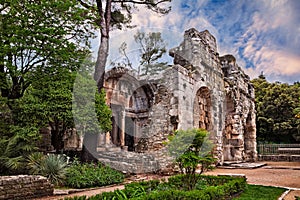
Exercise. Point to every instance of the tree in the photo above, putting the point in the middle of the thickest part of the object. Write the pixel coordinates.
(36, 35)
(18, 136)
(191, 148)
(276, 106)
(116, 14)
(90, 112)
(152, 47)
(53, 96)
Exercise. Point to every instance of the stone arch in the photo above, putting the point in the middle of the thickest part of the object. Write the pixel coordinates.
(136, 115)
(203, 109)
(250, 153)
(141, 99)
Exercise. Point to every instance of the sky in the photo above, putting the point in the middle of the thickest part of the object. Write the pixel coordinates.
(263, 35)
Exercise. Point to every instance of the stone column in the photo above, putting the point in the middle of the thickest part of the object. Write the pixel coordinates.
(135, 132)
(122, 134)
(101, 139)
(115, 130)
(107, 138)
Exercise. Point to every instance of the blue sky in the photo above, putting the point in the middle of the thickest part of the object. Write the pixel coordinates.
(264, 35)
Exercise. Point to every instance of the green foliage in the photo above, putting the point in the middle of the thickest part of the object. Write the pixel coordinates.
(34, 162)
(297, 197)
(152, 48)
(92, 175)
(17, 140)
(103, 112)
(48, 102)
(52, 166)
(15, 146)
(137, 189)
(40, 43)
(191, 148)
(253, 192)
(90, 111)
(217, 188)
(38, 35)
(277, 107)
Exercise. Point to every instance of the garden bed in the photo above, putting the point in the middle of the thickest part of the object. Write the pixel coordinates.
(206, 187)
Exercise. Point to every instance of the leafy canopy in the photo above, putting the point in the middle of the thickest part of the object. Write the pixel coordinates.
(277, 106)
(36, 35)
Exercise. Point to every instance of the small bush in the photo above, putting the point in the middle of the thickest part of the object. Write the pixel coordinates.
(191, 148)
(137, 189)
(92, 175)
(52, 166)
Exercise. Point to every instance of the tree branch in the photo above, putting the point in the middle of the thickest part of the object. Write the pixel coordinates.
(87, 6)
(140, 2)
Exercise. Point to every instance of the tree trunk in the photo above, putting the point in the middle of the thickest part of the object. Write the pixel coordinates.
(89, 149)
(105, 17)
(57, 138)
(101, 61)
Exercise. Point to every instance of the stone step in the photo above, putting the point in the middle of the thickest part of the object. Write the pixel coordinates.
(129, 162)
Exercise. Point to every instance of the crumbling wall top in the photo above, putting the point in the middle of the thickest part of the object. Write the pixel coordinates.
(205, 37)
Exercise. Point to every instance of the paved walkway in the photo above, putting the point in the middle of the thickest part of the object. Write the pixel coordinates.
(280, 174)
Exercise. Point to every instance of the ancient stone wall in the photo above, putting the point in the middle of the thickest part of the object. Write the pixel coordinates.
(201, 90)
(24, 187)
(239, 135)
(199, 70)
(72, 140)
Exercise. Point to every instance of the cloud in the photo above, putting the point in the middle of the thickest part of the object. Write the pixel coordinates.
(264, 35)
(269, 42)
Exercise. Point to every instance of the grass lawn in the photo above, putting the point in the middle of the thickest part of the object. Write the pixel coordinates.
(261, 192)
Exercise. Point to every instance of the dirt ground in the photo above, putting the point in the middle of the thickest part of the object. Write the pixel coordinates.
(280, 174)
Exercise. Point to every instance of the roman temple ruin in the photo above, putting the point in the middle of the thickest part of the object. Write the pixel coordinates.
(201, 90)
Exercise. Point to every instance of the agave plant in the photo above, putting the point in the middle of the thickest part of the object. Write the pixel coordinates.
(55, 168)
(52, 166)
(34, 162)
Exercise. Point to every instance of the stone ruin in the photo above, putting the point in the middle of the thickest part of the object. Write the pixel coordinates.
(201, 90)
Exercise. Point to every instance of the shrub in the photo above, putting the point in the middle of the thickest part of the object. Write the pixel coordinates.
(92, 175)
(191, 148)
(224, 187)
(51, 166)
(137, 189)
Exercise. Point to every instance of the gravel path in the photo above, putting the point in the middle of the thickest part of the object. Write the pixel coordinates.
(281, 174)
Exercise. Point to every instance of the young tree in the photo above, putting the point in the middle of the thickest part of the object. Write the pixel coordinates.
(191, 148)
(152, 47)
(90, 112)
(116, 14)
